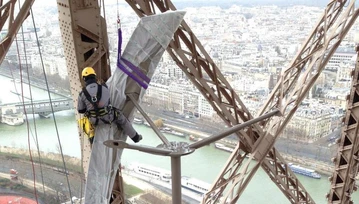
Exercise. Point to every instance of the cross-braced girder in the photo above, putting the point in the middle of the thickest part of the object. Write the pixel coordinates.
(346, 162)
(295, 82)
(14, 22)
(84, 37)
(192, 58)
(86, 45)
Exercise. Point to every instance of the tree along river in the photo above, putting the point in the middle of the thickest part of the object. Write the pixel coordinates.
(204, 164)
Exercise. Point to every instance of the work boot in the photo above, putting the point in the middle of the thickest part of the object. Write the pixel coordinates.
(136, 138)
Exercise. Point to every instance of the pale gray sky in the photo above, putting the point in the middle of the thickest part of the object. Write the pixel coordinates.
(53, 2)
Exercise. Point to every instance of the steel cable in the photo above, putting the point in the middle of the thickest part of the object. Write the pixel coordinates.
(27, 123)
(52, 108)
(32, 107)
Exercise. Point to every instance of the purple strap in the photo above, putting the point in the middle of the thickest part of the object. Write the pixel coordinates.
(119, 42)
(136, 70)
(130, 74)
(140, 75)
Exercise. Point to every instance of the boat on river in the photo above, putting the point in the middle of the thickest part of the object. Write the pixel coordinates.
(172, 132)
(154, 173)
(195, 185)
(223, 147)
(137, 121)
(10, 116)
(304, 171)
(194, 139)
(151, 172)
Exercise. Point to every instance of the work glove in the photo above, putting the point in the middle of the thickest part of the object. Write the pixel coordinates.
(136, 138)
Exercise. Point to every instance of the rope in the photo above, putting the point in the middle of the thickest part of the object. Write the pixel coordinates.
(27, 124)
(52, 108)
(104, 10)
(118, 17)
(100, 44)
(32, 107)
(82, 162)
(102, 5)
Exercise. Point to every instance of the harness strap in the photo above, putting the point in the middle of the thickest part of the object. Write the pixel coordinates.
(94, 100)
(101, 112)
(97, 112)
(105, 121)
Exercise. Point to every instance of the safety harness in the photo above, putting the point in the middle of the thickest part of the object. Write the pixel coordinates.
(94, 100)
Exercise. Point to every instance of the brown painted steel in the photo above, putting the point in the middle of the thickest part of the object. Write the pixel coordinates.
(191, 57)
(84, 37)
(346, 162)
(86, 45)
(7, 14)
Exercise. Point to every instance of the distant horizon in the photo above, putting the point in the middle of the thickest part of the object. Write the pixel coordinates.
(200, 3)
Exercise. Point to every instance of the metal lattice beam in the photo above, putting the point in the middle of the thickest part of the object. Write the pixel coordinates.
(346, 167)
(85, 42)
(292, 88)
(191, 57)
(7, 14)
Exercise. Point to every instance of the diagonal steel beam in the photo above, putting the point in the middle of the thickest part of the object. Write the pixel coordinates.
(298, 85)
(347, 159)
(15, 21)
(191, 57)
(148, 119)
(231, 130)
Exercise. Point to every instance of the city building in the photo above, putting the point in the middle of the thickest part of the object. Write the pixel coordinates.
(344, 73)
(157, 94)
(179, 96)
(342, 55)
(311, 123)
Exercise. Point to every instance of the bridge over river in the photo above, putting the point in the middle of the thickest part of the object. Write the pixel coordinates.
(42, 107)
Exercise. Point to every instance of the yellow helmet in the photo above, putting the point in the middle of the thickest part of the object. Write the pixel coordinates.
(88, 71)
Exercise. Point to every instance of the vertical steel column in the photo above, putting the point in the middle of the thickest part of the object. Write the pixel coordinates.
(176, 180)
(346, 162)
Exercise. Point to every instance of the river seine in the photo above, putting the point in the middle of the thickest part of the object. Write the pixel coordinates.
(204, 164)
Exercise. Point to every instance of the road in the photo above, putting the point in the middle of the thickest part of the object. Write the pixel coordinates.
(318, 150)
(314, 151)
(53, 180)
(29, 183)
(36, 82)
(175, 119)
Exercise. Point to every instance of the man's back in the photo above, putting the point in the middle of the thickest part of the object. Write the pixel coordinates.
(92, 90)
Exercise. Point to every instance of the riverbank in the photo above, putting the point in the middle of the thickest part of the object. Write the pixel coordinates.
(49, 158)
(40, 83)
(74, 164)
(308, 182)
(55, 182)
(319, 166)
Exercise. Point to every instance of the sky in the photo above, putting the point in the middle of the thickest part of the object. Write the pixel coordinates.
(42, 3)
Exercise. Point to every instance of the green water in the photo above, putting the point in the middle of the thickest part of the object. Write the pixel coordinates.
(204, 164)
